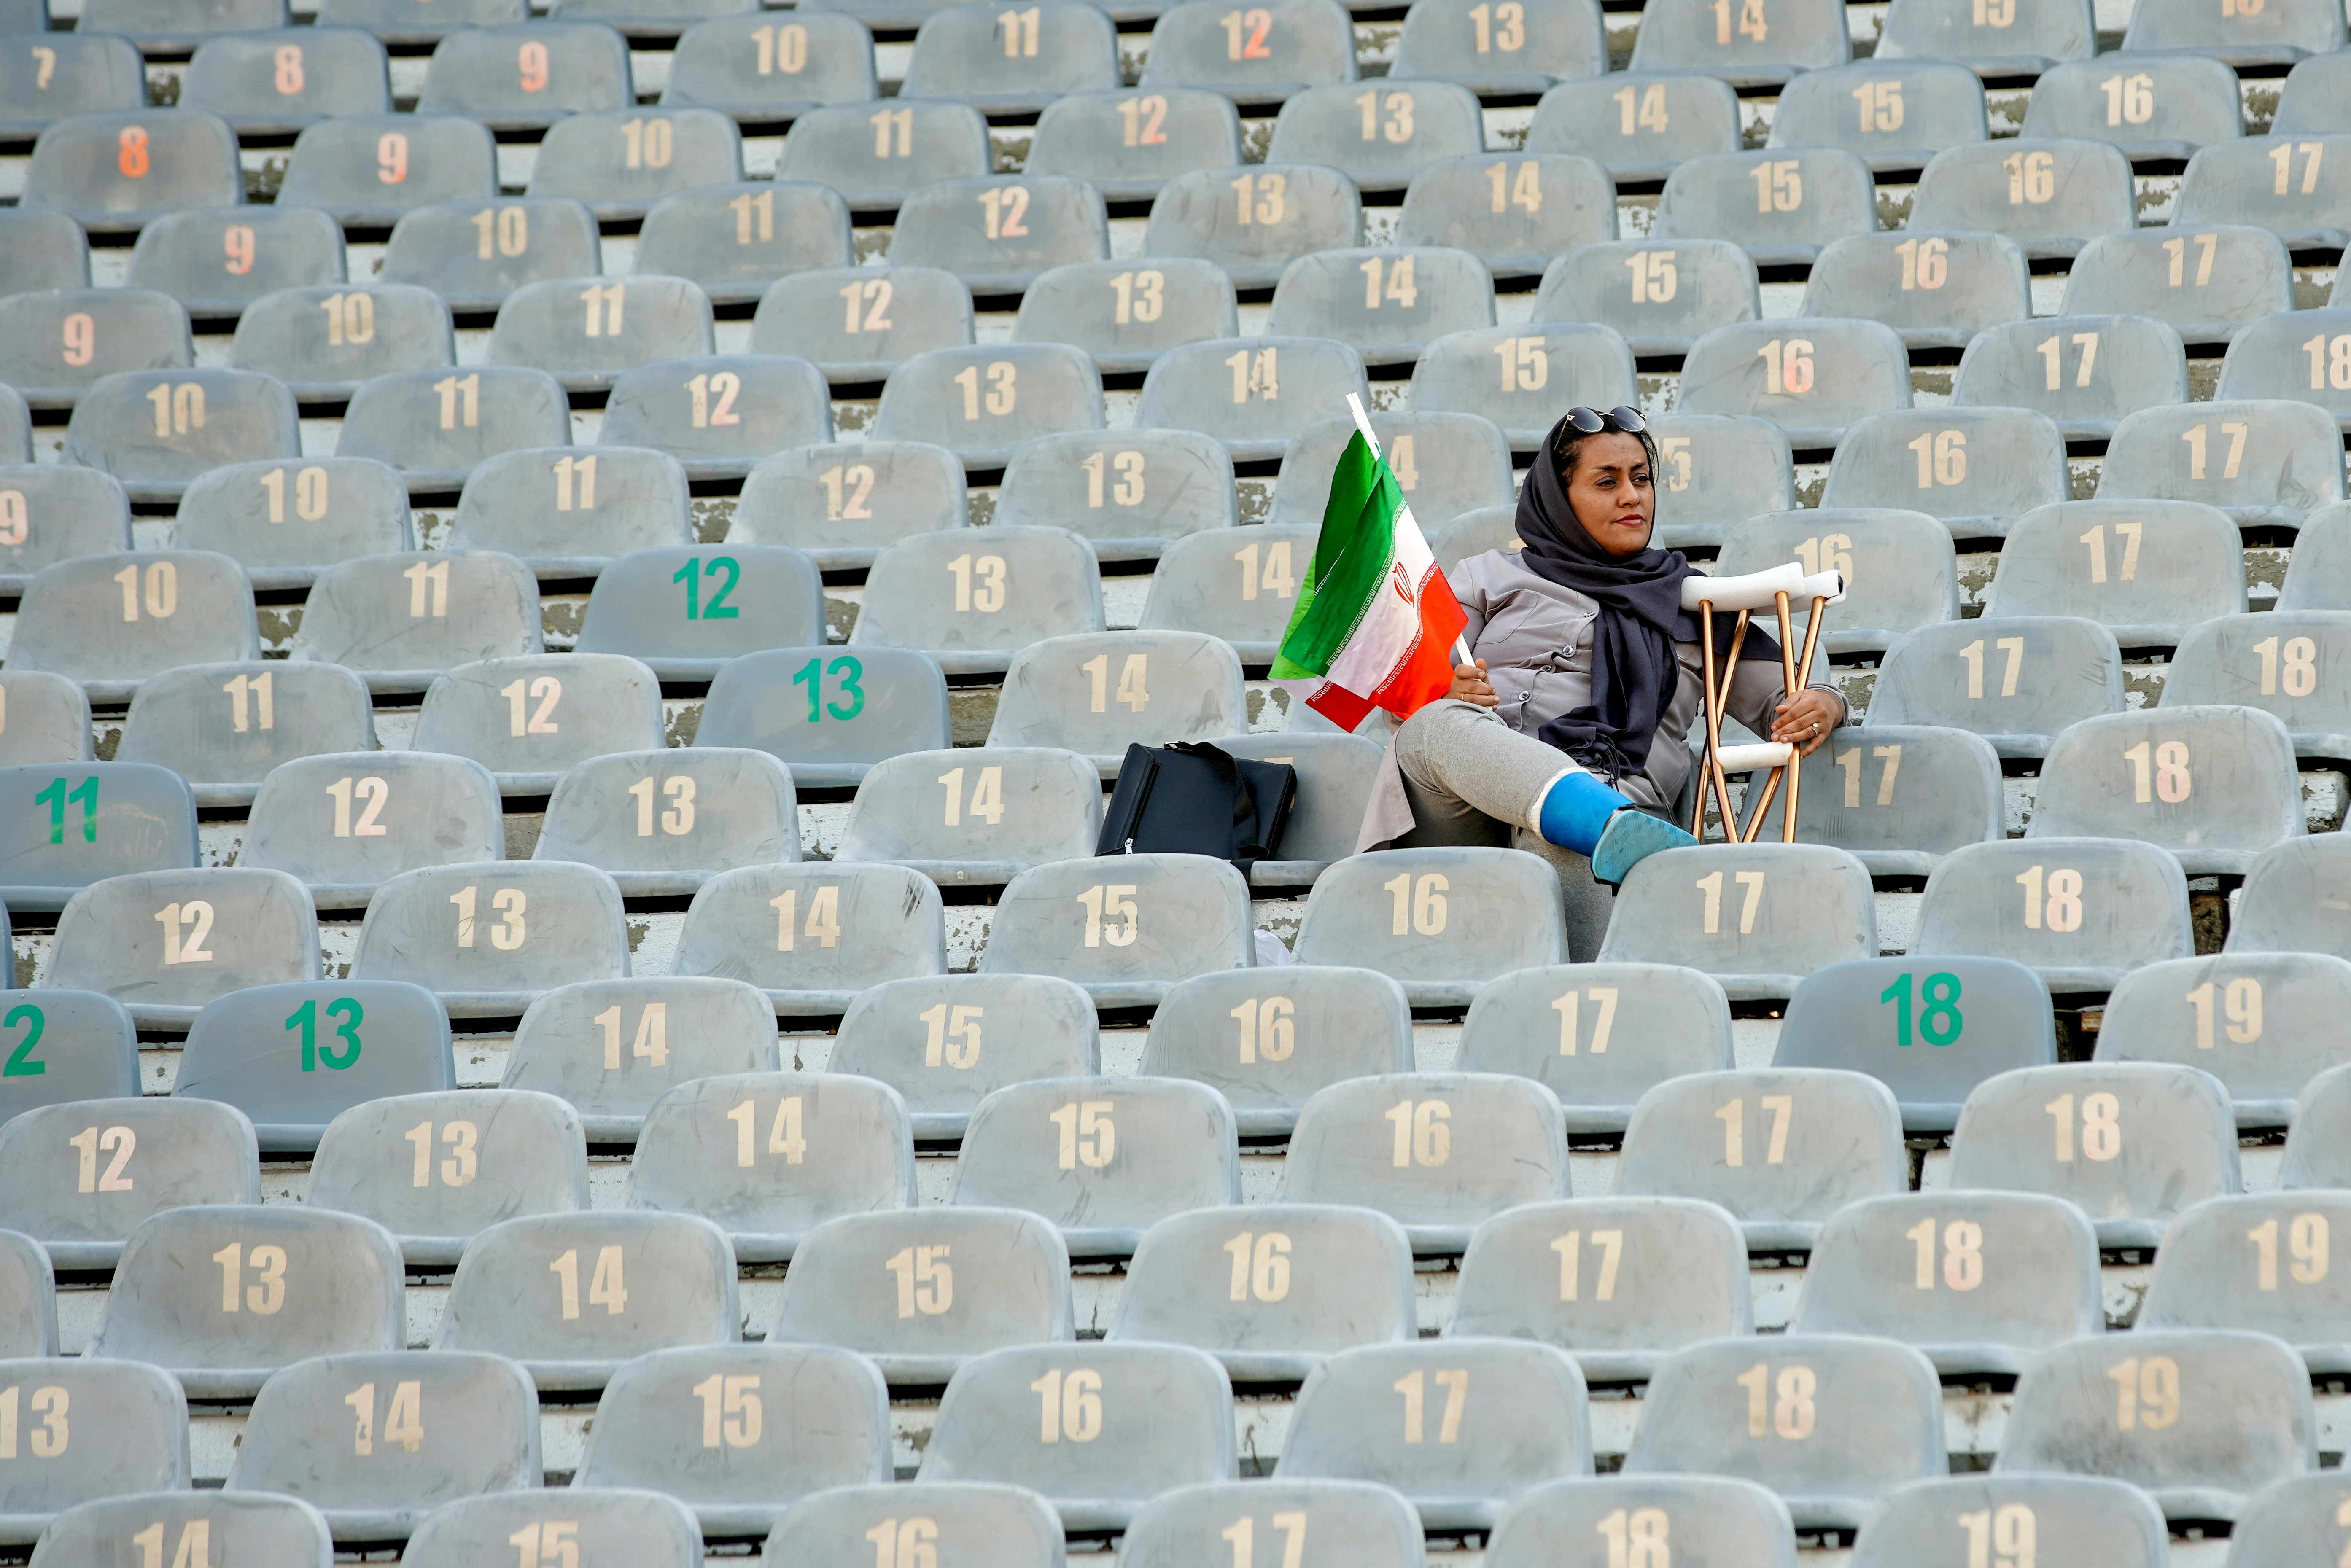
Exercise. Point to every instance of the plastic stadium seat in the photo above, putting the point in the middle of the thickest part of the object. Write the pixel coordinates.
(1256, 225)
(2270, 1003)
(639, 1526)
(1352, 1268)
(43, 718)
(226, 744)
(355, 616)
(2147, 1409)
(732, 240)
(570, 1045)
(1662, 298)
(2220, 1270)
(1528, 1274)
(2310, 101)
(44, 250)
(1901, 113)
(1141, 491)
(2240, 275)
(719, 416)
(429, 1431)
(653, 20)
(262, 1049)
(2044, 673)
(922, 1292)
(83, 619)
(253, 1529)
(1238, 1033)
(622, 160)
(496, 710)
(16, 428)
(2281, 183)
(418, 21)
(371, 171)
(2222, 787)
(807, 62)
(1033, 1028)
(528, 76)
(2131, 1144)
(76, 1169)
(1124, 316)
(63, 1046)
(1841, 1420)
(1335, 782)
(2161, 107)
(981, 403)
(1799, 907)
(2276, 466)
(2272, 358)
(2287, 1517)
(1729, 1523)
(716, 810)
(1511, 1416)
(2234, 660)
(28, 1288)
(1877, 1268)
(116, 171)
(2317, 568)
(1898, 570)
(222, 1297)
(962, 840)
(560, 921)
(325, 342)
(1846, 1015)
(679, 609)
(311, 814)
(2287, 906)
(1783, 209)
(1243, 596)
(475, 253)
(175, 29)
(277, 83)
(869, 495)
(55, 346)
(1516, 54)
(1819, 1138)
(1936, 1520)
(2314, 1146)
(485, 1155)
(2050, 195)
(2087, 372)
(767, 701)
(1548, 361)
(1302, 47)
(1773, 42)
(1715, 472)
(994, 1526)
(999, 234)
(164, 943)
(1452, 919)
(158, 431)
(66, 511)
(134, 1425)
(1053, 689)
(1411, 297)
(1813, 387)
(1380, 137)
(569, 514)
(215, 263)
(972, 601)
(892, 917)
(1853, 798)
(969, 53)
(1389, 1143)
(1555, 1025)
(576, 1332)
(542, 325)
(2281, 36)
(338, 508)
(2027, 901)
(1161, 1146)
(67, 75)
(892, 315)
(1639, 127)
(1937, 290)
(876, 155)
(1991, 42)
(432, 425)
(783, 1422)
(130, 817)
(1497, 207)
(1139, 1420)
(1333, 1522)
(694, 1151)
(2147, 569)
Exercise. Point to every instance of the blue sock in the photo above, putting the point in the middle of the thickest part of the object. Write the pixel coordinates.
(1575, 811)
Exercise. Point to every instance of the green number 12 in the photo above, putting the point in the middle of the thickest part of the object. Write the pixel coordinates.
(1940, 1021)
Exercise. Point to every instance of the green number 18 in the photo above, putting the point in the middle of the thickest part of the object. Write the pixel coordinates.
(1940, 1021)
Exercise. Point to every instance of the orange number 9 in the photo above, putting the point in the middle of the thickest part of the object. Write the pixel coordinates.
(531, 60)
(391, 157)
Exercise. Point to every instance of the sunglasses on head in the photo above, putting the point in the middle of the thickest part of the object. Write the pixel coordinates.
(1592, 421)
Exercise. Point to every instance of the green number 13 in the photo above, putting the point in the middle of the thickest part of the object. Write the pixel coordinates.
(1940, 1021)
(305, 1018)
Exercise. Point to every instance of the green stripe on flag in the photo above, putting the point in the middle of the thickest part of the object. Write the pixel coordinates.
(1352, 556)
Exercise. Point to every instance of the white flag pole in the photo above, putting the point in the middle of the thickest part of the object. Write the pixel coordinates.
(1364, 423)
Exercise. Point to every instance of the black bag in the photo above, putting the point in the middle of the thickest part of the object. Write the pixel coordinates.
(1195, 798)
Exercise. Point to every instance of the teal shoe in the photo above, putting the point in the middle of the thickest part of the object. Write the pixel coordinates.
(1631, 837)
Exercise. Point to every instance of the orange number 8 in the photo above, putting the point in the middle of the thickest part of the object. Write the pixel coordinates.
(131, 151)
(289, 70)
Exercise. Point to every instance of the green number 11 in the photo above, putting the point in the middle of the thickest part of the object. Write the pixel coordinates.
(1940, 1021)
(56, 796)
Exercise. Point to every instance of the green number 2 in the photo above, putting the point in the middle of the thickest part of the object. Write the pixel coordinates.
(56, 798)
(20, 1061)
(305, 1018)
(1940, 1021)
(850, 669)
(690, 574)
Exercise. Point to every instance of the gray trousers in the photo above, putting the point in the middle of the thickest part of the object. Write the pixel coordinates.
(1473, 779)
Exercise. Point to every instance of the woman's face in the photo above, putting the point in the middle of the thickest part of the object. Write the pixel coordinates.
(1611, 492)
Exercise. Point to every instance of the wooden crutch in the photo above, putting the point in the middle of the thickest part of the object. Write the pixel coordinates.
(1746, 594)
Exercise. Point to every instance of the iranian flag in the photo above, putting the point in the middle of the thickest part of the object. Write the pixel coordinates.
(1375, 620)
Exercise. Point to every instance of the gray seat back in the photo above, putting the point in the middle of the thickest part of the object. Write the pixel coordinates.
(606, 1047)
(1239, 1032)
(629, 322)
(1124, 314)
(969, 226)
(622, 160)
(1556, 1024)
(1855, 796)
(1551, 202)
(1978, 469)
(2102, 368)
(1777, 913)
(1254, 394)
(75, 74)
(1285, 213)
(327, 340)
(861, 324)
(1660, 295)
(133, 1425)
(1913, 1524)
(719, 414)
(1949, 29)
(43, 718)
(688, 610)
(1735, 1523)
(642, 1525)
(945, 813)
(166, 942)
(63, 1046)
(346, 822)
(2222, 786)
(1132, 494)
(81, 617)
(2222, 1266)
(842, 503)
(2272, 358)
(981, 403)
(231, 724)
(1812, 376)
(1685, 35)
(438, 427)
(256, 1528)
(2285, 907)
(216, 417)
(981, 596)
(56, 344)
(1782, 205)
(891, 915)
(2234, 182)
(1715, 472)
(1334, 1522)
(572, 707)
(1897, 566)
(557, 508)
(374, 168)
(1174, 132)
(114, 169)
(1000, 1526)
(1180, 915)
(1445, 464)
(46, 249)
(874, 166)
(529, 75)
(1549, 360)
(2264, 463)
(80, 823)
(2150, 570)
(732, 240)
(2077, 909)
(820, 59)
(1297, 47)
(2166, 105)
(1895, 114)
(2313, 1153)
(2316, 572)
(1551, 38)
(500, 931)
(1412, 124)
(1930, 1030)
(295, 1057)
(1936, 290)
(946, 1042)
(2061, 193)
(83, 1175)
(1453, 917)
(475, 253)
(1239, 588)
(66, 512)
(1671, 117)
(437, 1168)
(412, 21)
(1099, 693)
(239, 76)
(282, 521)
(830, 715)
(2250, 1019)
(2019, 681)
(665, 820)
(2238, 275)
